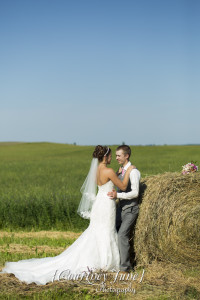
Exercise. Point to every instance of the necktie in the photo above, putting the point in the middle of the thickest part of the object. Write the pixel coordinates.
(123, 171)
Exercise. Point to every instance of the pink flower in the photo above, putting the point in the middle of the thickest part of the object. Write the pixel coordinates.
(189, 168)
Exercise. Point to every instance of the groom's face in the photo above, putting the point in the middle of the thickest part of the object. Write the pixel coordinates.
(121, 157)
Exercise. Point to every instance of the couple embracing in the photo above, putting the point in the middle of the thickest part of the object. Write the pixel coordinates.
(104, 245)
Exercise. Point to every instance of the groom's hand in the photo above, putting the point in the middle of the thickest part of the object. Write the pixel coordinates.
(112, 195)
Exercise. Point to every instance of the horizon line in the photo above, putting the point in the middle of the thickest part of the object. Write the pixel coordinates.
(76, 144)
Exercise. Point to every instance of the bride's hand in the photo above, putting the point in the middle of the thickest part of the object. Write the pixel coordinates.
(131, 168)
(120, 170)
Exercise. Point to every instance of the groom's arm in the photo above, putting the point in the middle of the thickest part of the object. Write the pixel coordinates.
(135, 184)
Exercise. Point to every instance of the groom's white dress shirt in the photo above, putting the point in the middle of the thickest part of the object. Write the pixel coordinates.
(135, 182)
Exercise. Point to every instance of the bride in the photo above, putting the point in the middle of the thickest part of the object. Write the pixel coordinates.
(97, 247)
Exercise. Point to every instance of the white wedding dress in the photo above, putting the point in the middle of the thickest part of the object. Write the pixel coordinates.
(96, 249)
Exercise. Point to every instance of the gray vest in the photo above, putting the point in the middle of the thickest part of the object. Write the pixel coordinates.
(124, 204)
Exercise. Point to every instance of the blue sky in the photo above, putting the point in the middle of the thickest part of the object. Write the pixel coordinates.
(100, 72)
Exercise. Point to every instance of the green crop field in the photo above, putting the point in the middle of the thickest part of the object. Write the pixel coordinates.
(39, 196)
(40, 182)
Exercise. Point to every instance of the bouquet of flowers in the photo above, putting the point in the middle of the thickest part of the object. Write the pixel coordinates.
(189, 168)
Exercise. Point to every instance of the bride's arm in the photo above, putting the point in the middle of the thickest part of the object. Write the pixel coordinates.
(122, 185)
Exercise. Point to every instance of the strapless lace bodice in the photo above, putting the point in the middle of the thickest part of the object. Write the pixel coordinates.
(107, 187)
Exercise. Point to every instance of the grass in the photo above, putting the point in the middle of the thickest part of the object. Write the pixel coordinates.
(20, 245)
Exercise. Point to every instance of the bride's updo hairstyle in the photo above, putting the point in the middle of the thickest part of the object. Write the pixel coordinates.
(100, 152)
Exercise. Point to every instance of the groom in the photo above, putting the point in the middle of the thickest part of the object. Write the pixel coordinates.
(127, 208)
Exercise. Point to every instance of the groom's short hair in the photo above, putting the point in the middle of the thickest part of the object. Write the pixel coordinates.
(126, 149)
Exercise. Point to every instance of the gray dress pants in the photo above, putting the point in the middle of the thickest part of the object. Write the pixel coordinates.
(124, 223)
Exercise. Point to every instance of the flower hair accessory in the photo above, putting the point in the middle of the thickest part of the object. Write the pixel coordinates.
(107, 151)
(189, 168)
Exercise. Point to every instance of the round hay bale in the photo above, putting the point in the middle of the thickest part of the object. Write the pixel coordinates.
(168, 226)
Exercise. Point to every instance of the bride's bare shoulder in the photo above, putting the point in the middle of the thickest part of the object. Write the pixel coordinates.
(110, 171)
(104, 175)
(106, 172)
